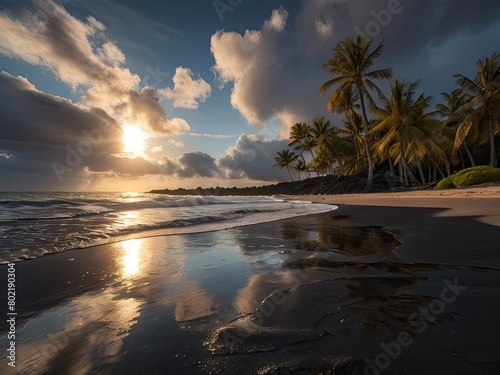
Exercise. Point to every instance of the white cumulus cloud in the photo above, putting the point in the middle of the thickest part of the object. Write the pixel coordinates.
(187, 92)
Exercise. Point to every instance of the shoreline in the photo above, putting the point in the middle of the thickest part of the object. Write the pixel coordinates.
(437, 221)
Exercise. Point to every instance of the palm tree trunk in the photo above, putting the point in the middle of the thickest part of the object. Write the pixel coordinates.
(421, 172)
(471, 159)
(304, 160)
(406, 169)
(288, 169)
(400, 171)
(493, 156)
(436, 165)
(391, 166)
(367, 141)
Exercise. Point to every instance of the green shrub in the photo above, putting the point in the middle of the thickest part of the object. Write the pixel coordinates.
(471, 176)
(445, 184)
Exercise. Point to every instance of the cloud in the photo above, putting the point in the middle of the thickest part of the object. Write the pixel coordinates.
(252, 157)
(270, 77)
(277, 22)
(190, 164)
(143, 107)
(111, 54)
(187, 92)
(157, 149)
(51, 38)
(178, 144)
(50, 139)
(324, 26)
(214, 136)
(81, 55)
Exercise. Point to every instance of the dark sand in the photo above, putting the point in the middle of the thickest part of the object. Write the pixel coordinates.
(323, 294)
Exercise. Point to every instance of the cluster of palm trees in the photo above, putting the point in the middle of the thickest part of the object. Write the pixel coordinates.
(419, 143)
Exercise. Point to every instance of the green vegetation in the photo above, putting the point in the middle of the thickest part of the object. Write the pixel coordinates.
(471, 176)
(400, 131)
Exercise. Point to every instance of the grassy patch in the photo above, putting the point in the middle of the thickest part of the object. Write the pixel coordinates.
(471, 176)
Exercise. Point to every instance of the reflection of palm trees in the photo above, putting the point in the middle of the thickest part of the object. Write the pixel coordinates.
(327, 233)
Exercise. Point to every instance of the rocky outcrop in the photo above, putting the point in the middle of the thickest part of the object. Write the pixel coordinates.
(331, 184)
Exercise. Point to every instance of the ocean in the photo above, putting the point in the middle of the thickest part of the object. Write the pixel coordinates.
(33, 224)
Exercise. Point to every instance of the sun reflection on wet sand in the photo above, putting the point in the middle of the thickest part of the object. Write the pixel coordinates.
(131, 260)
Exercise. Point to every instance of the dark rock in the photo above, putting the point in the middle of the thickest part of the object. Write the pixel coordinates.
(331, 184)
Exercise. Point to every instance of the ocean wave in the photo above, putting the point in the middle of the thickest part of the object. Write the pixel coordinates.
(54, 225)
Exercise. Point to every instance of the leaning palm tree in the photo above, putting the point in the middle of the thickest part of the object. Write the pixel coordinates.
(403, 122)
(484, 106)
(351, 66)
(284, 159)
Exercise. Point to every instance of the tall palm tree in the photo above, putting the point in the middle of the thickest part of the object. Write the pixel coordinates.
(284, 159)
(449, 110)
(403, 121)
(484, 106)
(351, 66)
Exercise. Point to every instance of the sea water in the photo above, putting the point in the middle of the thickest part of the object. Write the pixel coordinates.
(33, 224)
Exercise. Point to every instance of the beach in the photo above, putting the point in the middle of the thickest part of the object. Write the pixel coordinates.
(387, 283)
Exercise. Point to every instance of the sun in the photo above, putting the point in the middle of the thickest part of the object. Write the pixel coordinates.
(133, 140)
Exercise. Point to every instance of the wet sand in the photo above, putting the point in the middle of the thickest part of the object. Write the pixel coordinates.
(388, 285)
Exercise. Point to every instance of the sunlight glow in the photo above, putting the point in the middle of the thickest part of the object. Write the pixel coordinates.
(131, 260)
(133, 140)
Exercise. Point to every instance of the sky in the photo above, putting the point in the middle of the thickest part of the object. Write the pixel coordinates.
(109, 95)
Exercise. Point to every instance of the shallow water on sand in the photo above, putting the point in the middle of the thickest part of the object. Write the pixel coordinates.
(308, 295)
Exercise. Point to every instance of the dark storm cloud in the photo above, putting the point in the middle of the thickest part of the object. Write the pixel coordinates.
(253, 157)
(191, 164)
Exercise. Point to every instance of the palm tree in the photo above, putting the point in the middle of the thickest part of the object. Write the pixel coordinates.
(404, 123)
(325, 137)
(284, 159)
(301, 166)
(353, 128)
(300, 133)
(351, 66)
(453, 118)
(484, 106)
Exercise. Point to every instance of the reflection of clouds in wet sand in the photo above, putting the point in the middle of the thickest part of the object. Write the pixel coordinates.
(262, 285)
(192, 302)
(86, 333)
